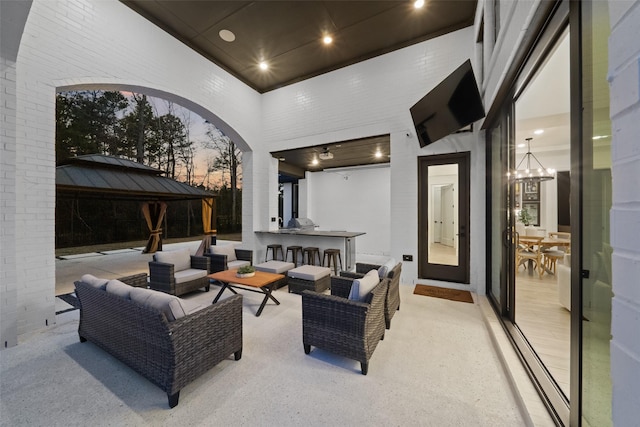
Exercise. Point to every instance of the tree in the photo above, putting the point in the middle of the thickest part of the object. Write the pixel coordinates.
(87, 122)
(187, 154)
(136, 137)
(227, 161)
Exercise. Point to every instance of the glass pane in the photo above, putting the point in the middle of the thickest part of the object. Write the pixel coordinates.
(596, 335)
(497, 206)
(542, 146)
(443, 214)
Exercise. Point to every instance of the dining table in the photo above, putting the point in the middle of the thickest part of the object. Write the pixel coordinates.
(549, 242)
(540, 243)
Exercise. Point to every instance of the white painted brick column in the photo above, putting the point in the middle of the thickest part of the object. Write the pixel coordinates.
(13, 16)
(624, 78)
(8, 291)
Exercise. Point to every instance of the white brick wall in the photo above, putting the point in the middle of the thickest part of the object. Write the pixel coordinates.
(87, 44)
(354, 200)
(624, 77)
(372, 98)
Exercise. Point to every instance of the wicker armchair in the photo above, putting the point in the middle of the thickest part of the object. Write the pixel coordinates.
(221, 262)
(177, 278)
(348, 328)
(170, 354)
(341, 286)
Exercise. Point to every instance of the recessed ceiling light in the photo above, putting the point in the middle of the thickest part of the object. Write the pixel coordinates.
(418, 4)
(327, 39)
(263, 65)
(314, 162)
(227, 35)
(538, 131)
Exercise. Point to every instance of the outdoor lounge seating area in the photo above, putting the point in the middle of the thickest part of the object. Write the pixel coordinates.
(83, 384)
(272, 360)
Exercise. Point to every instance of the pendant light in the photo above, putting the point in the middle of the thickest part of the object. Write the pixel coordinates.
(531, 172)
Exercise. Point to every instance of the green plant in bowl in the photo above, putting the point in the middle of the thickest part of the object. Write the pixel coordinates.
(246, 269)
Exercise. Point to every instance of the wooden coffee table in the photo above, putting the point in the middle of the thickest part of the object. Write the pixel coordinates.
(261, 282)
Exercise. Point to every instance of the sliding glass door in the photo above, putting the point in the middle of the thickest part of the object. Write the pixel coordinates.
(543, 240)
(595, 257)
(549, 257)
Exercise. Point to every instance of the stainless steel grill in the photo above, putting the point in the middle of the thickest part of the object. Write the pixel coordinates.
(301, 224)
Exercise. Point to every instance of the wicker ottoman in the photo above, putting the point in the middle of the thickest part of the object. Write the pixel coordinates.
(309, 277)
(277, 267)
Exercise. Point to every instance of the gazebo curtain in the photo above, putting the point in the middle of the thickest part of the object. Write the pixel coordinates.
(154, 215)
(208, 225)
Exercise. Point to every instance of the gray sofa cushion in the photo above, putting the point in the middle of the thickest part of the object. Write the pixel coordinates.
(94, 281)
(228, 250)
(309, 272)
(181, 259)
(116, 287)
(189, 275)
(171, 306)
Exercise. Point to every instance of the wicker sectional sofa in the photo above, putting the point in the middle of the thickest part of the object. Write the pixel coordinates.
(167, 340)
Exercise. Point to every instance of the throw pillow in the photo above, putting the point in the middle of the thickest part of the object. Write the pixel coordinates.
(361, 288)
(391, 262)
(382, 272)
(228, 250)
(94, 281)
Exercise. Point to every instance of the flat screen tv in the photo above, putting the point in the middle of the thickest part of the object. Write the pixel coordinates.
(450, 106)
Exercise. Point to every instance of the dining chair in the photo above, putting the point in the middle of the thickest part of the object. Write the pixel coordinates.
(526, 254)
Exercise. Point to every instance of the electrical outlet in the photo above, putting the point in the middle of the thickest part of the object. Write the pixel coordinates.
(407, 257)
(273, 219)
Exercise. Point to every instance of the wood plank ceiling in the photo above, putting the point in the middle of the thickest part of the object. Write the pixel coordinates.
(288, 36)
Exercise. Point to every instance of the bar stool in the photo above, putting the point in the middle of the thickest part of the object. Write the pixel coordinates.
(311, 253)
(332, 255)
(296, 251)
(274, 252)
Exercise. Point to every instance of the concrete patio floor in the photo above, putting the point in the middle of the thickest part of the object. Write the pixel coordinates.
(443, 363)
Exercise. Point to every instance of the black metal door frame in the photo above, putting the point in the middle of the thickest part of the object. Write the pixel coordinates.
(459, 273)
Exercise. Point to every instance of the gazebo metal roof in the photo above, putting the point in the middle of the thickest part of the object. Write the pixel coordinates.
(97, 175)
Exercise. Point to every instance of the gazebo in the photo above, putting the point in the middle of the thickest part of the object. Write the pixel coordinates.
(109, 177)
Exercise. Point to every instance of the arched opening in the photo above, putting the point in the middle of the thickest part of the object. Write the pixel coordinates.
(132, 221)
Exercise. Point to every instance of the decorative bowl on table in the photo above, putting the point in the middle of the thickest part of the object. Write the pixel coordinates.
(246, 271)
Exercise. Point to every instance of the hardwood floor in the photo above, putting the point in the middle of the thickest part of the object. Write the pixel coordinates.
(545, 323)
(442, 254)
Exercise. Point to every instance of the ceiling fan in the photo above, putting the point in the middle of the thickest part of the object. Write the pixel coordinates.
(325, 154)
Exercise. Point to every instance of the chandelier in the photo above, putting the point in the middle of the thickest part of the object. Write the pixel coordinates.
(531, 172)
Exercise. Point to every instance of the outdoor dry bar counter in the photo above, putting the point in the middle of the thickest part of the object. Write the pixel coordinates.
(343, 240)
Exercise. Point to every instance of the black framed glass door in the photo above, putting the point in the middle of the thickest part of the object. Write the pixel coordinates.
(443, 217)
